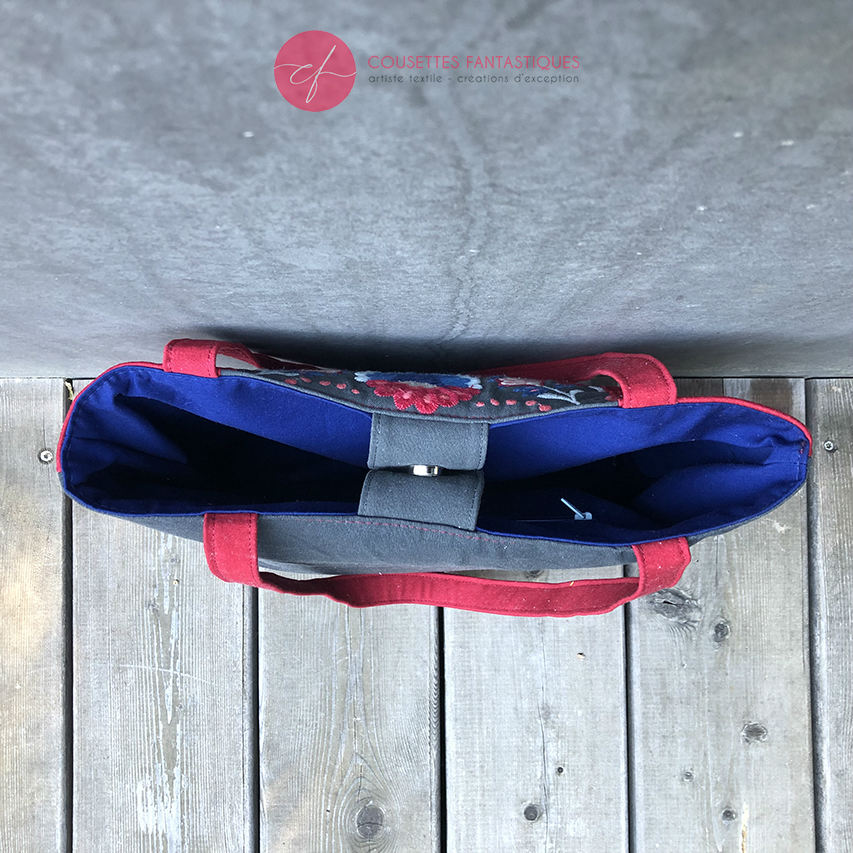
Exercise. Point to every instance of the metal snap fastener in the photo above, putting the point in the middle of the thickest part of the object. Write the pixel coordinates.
(425, 470)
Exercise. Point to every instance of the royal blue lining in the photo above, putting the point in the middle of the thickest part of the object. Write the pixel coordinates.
(144, 442)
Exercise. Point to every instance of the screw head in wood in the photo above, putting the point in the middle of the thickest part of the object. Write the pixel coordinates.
(532, 812)
(829, 446)
(754, 733)
(46, 456)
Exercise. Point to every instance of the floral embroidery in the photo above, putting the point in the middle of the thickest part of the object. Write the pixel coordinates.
(523, 387)
(572, 395)
(495, 397)
(427, 392)
(424, 397)
(516, 382)
(528, 388)
(303, 371)
(441, 380)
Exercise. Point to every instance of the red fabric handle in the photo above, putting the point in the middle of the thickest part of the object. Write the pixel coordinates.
(198, 358)
(643, 379)
(231, 547)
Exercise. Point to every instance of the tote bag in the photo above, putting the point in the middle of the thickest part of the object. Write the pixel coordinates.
(386, 486)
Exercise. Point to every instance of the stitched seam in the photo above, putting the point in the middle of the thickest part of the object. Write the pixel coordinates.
(621, 377)
(471, 520)
(375, 427)
(667, 379)
(642, 552)
(471, 580)
(455, 416)
(629, 387)
(484, 442)
(461, 581)
(319, 520)
(625, 382)
(214, 560)
(447, 415)
(642, 580)
(661, 373)
(167, 356)
(210, 356)
(367, 490)
(380, 424)
(254, 566)
(403, 526)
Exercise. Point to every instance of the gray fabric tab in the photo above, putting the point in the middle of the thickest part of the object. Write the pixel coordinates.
(451, 499)
(397, 440)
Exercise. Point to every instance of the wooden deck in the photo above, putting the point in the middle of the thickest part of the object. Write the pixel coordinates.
(145, 706)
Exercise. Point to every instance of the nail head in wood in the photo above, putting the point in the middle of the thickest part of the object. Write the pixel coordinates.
(754, 733)
(532, 812)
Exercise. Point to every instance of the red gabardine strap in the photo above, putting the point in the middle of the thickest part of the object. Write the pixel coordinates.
(198, 358)
(643, 379)
(230, 543)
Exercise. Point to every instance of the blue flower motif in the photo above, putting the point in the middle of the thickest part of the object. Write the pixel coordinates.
(438, 380)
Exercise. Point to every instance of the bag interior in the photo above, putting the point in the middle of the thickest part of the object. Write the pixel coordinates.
(137, 443)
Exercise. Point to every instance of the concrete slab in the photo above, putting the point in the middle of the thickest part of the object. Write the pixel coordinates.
(689, 196)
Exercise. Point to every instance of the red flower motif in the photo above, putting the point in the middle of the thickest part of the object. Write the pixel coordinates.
(425, 398)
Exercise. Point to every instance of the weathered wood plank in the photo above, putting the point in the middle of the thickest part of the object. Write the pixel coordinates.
(163, 695)
(32, 615)
(719, 683)
(349, 723)
(830, 417)
(535, 731)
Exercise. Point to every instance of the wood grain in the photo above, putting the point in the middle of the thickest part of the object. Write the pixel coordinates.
(535, 733)
(719, 683)
(349, 722)
(163, 695)
(536, 751)
(32, 619)
(830, 417)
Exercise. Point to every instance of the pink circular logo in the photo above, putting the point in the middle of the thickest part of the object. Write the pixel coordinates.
(314, 70)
